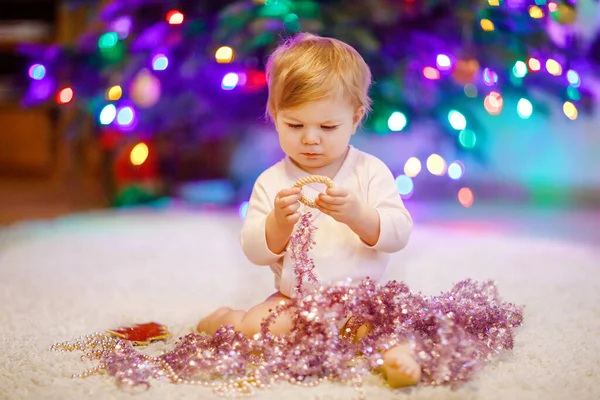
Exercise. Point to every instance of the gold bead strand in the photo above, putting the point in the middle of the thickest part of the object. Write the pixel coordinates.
(312, 179)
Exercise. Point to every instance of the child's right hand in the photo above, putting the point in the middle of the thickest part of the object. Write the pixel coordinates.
(286, 206)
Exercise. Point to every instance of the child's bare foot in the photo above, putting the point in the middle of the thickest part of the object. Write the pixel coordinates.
(206, 324)
(400, 368)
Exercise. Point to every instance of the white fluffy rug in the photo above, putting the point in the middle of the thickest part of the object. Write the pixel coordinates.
(77, 275)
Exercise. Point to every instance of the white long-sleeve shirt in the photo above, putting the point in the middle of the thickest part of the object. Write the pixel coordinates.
(338, 253)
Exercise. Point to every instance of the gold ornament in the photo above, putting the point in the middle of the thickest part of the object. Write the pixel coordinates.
(312, 179)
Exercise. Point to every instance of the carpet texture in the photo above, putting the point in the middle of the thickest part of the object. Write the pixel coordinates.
(82, 274)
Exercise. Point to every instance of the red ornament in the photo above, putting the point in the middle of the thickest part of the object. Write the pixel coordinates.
(142, 334)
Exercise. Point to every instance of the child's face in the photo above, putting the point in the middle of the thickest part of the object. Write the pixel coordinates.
(317, 134)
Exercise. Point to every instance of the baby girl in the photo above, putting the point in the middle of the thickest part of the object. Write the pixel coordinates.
(318, 96)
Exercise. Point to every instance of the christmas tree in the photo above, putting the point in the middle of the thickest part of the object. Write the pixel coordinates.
(168, 73)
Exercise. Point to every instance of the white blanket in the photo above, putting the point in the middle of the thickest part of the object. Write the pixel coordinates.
(78, 275)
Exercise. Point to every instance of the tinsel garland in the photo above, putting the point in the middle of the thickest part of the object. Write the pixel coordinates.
(453, 335)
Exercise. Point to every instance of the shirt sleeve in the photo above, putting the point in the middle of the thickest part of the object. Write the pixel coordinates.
(395, 222)
(253, 237)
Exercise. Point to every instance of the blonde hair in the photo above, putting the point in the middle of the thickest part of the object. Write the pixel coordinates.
(308, 67)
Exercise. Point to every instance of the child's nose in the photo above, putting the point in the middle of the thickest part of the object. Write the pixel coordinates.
(310, 137)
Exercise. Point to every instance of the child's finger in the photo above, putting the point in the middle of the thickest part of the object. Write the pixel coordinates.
(324, 206)
(337, 192)
(293, 218)
(292, 208)
(326, 199)
(283, 202)
(289, 191)
(326, 210)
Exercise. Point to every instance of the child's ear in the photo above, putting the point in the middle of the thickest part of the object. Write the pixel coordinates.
(358, 116)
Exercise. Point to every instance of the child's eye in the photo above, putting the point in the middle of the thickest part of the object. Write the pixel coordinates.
(295, 126)
(329, 128)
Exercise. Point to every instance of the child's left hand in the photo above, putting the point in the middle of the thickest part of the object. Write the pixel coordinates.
(340, 204)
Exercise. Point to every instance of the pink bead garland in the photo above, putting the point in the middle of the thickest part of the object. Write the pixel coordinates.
(452, 335)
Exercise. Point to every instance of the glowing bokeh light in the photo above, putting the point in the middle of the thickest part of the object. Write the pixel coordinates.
(114, 93)
(431, 73)
(405, 185)
(466, 197)
(65, 96)
(535, 12)
(125, 116)
(108, 40)
(573, 78)
(519, 69)
(224, 55)
(524, 108)
(243, 210)
(487, 25)
(457, 120)
(534, 64)
(412, 167)
(467, 138)
(174, 17)
(160, 62)
(443, 62)
(570, 110)
(436, 165)
(397, 121)
(553, 67)
(490, 77)
(108, 114)
(230, 81)
(139, 154)
(37, 72)
(456, 170)
(493, 103)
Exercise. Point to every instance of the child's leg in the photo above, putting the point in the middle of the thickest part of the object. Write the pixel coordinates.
(249, 322)
(399, 365)
(400, 368)
(205, 325)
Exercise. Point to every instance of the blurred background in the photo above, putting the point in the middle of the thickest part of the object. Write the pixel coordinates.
(128, 103)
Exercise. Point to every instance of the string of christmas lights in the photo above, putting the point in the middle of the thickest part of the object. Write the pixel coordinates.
(153, 68)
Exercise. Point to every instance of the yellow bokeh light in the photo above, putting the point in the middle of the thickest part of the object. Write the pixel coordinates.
(487, 25)
(494, 3)
(436, 165)
(553, 67)
(570, 110)
(224, 55)
(139, 154)
(412, 167)
(114, 93)
(536, 12)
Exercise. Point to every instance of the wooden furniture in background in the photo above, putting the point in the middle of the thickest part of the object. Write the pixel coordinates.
(42, 174)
